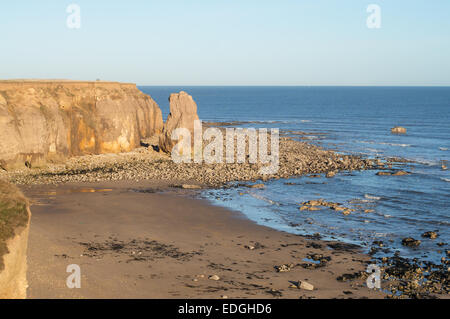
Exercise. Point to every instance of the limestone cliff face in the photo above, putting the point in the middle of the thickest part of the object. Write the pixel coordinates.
(52, 120)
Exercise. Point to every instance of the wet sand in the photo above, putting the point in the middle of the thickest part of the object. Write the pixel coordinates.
(132, 241)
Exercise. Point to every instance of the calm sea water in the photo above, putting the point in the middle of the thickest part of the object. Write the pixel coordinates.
(351, 120)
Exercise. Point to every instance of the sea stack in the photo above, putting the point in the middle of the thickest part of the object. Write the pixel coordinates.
(183, 114)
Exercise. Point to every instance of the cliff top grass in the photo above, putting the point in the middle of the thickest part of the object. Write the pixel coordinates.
(13, 215)
(36, 83)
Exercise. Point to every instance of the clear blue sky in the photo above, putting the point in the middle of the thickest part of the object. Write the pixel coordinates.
(228, 42)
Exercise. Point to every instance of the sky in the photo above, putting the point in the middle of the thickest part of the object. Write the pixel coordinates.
(228, 42)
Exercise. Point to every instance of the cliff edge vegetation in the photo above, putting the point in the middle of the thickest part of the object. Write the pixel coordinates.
(13, 215)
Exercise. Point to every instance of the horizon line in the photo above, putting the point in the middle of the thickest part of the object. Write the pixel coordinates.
(289, 85)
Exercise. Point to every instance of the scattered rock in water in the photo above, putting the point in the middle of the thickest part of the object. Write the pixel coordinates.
(340, 246)
(346, 212)
(214, 277)
(284, 267)
(414, 279)
(410, 242)
(256, 186)
(384, 173)
(430, 234)
(314, 205)
(401, 173)
(331, 174)
(378, 243)
(398, 130)
(397, 173)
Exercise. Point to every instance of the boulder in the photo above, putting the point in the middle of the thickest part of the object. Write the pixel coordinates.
(331, 174)
(401, 173)
(430, 234)
(214, 277)
(384, 174)
(305, 285)
(398, 130)
(411, 242)
(183, 114)
(44, 121)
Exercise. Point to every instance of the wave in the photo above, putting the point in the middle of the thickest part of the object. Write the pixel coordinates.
(443, 148)
(384, 143)
(371, 197)
(446, 179)
(424, 161)
(263, 198)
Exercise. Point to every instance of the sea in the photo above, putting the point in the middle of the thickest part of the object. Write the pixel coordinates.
(349, 120)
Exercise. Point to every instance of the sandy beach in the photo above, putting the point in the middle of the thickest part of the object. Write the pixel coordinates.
(145, 240)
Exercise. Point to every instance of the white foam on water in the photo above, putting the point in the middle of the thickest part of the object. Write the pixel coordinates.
(371, 197)
(445, 179)
(384, 143)
(396, 144)
(443, 148)
(263, 198)
(424, 161)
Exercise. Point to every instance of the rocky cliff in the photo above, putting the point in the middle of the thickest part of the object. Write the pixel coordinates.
(14, 227)
(183, 114)
(51, 120)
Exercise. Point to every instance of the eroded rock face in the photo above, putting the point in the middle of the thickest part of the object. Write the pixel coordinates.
(14, 228)
(52, 120)
(183, 113)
